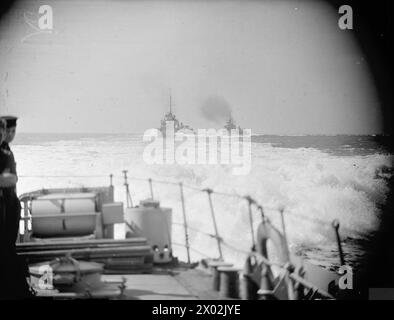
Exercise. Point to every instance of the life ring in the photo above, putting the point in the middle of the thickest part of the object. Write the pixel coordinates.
(259, 276)
(266, 231)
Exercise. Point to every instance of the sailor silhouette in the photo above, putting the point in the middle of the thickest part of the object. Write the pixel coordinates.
(13, 271)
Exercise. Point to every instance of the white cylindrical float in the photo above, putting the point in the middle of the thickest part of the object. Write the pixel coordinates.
(154, 223)
(64, 215)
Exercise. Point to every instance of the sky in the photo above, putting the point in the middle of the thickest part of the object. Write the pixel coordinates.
(281, 67)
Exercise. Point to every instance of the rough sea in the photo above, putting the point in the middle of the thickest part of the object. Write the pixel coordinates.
(316, 179)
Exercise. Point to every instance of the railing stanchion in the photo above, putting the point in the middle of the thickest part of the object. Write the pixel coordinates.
(26, 234)
(262, 213)
(150, 187)
(250, 202)
(129, 201)
(218, 239)
(185, 223)
(335, 225)
(281, 210)
(111, 191)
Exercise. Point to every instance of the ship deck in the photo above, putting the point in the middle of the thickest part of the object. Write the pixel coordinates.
(167, 284)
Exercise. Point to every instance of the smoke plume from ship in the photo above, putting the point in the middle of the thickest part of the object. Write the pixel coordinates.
(216, 109)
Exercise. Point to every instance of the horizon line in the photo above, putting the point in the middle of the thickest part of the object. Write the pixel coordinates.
(255, 134)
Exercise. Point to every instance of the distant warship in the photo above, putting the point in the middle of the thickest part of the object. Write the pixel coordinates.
(178, 126)
(230, 125)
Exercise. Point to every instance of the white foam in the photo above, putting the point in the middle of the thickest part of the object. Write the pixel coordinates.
(307, 182)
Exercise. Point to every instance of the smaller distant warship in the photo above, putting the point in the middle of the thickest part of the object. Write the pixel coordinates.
(178, 126)
(230, 125)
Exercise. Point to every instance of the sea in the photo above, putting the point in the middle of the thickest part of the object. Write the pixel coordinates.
(313, 179)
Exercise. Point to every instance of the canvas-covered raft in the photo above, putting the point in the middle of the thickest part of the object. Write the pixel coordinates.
(68, 242)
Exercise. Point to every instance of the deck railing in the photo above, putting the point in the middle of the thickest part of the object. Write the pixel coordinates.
(253, 207)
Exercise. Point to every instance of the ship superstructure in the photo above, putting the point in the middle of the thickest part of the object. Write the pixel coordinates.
(231, 125)
(171, 119)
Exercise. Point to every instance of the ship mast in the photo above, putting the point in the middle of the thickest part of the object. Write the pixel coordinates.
(170, 102)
